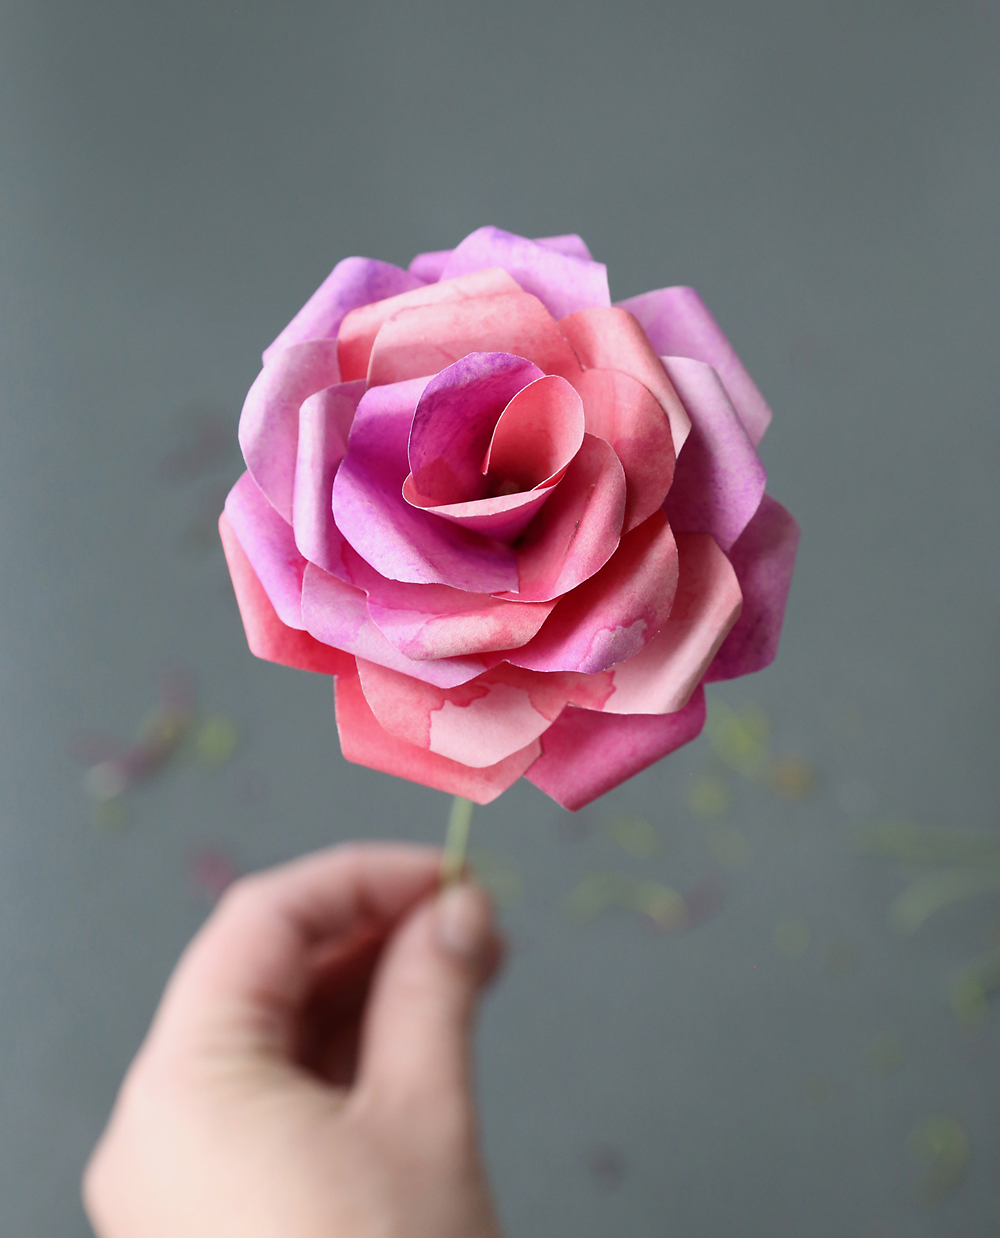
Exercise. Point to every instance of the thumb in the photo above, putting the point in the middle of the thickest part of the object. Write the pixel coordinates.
(416, 1037)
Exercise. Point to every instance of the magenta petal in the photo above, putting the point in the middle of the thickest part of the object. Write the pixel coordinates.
(719, 480)
(563, 283)
(568, 243)
(428, 266)
(399, 541)
(324, 424)
(679, 324)
(763, 558)
(336, 614)
(353, 282)
(268, 542)
(615, 613)
(585, 754)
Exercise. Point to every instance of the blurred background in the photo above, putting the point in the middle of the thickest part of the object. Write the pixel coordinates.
(816, 1051)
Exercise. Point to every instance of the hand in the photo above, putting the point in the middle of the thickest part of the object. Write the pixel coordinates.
(308, 1072)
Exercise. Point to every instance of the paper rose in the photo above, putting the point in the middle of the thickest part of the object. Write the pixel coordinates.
(520, 525)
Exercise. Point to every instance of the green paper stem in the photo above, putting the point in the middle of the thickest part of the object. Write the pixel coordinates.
(453, 863)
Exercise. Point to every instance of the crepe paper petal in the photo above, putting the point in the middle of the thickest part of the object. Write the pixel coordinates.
(562, 283)
(627, 415)
(679, 324)
(478, 723)
(336, 613)
(613, 339)
(568, 243)
(614, 614)
(938, 890)
(364, 742)
(267, 636)
(719, 481)
(352, 282)
(428, 266)
(423, 341)
(454, 421)
(763, 558)
(585, 753)
(662, 676)
(269, 544)
(361, 326)
(399, 541)
(324, 424)
(269, 422)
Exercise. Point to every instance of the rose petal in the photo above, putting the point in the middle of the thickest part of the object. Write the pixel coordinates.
(399, 541)
(269, 544)
(269, 423)
(661, 678)
(568, 243)
(336, 613)
(353, 282)
(477, 724)
(428, 266)
(679, 324)
(503, 517)
(763, 558)
(578, 529)
(626, 414)
(423, 341)
(719, 480)
(324, 424)
(538, 434)
(361, 326)
(585, 754)
(563, 283)
(615, 613)
(612, 339)
(364, 742)
(267, 636)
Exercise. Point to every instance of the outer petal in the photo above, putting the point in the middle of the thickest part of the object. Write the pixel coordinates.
(428, 266)
(353, 282)
(269, 423)
(720, 479)
(364, 742)
(763, 558)
(679, 324)
(423, 341)
(661, 678)
(568, 243)
(585, 754)
(399, 541)
(562, 282)
(269, 544)
(477, 724)
(615, 613)
(361, 326)
(336, 614)
(324, 424)
(612, 339)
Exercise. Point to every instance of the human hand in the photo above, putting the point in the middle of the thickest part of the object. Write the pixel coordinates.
(308, 1072)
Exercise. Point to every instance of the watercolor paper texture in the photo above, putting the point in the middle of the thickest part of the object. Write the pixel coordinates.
(519, 526)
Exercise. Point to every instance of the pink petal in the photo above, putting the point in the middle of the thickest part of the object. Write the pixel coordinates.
(269, 544)
(612, 339)
(399, 541)
(269, 423)
(578, 529)
(585, 754)
(568, 243)
(625, 414)
(661, 678)
(763, 558)
(353, 282)
(267, 636)
(423, 341)
(719, 481)
(336, 613)
(361, 326)
(324, 424)
(679, 324)
(428, 266)
(615, 613)
(364, 742)
(503, 517)
(563, 283)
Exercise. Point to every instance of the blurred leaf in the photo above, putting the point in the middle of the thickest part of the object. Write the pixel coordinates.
(500, 876)
(972, 987)
(942, 1147)
(792, 938)
(633, 834)
(739, 739)
(709, 796)
(902, 840)
(935, 892)
(216, 740)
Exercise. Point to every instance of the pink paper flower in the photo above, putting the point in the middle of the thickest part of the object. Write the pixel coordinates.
(520, 525)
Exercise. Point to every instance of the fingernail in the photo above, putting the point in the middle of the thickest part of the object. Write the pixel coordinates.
(464, 921)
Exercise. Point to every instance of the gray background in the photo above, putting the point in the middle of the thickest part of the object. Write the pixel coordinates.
(176, 180)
